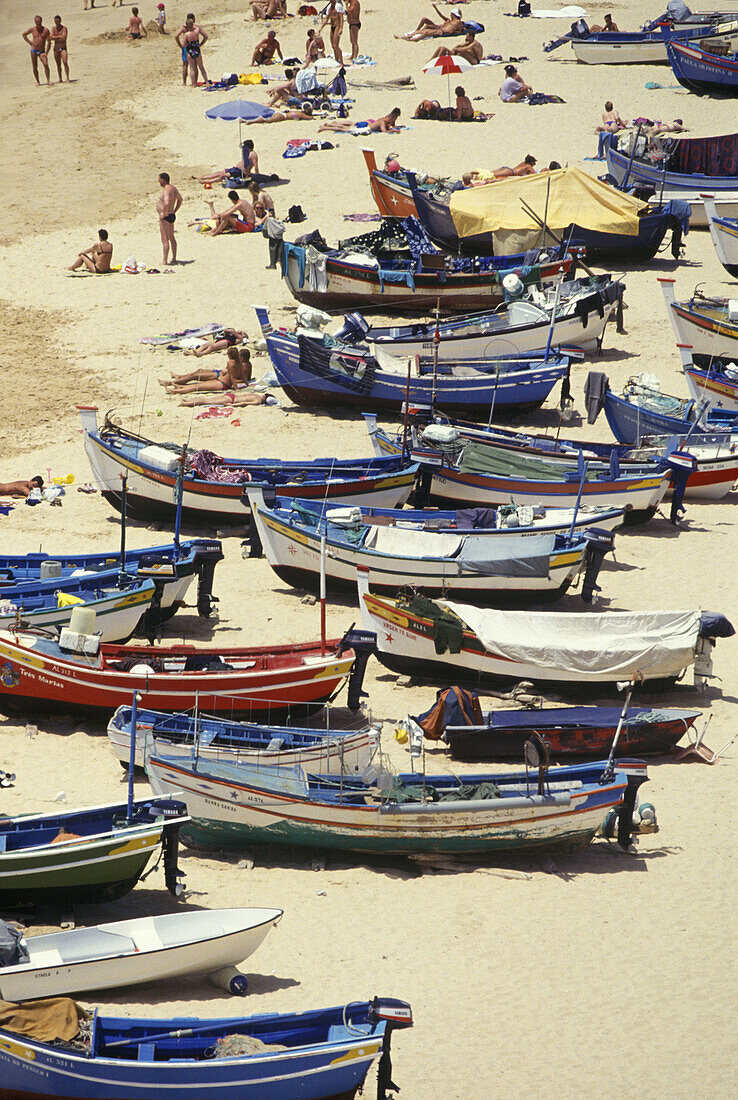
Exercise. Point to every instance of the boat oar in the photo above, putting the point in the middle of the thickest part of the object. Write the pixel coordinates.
(178, 495)
(123, 507)
(554, 236)
(578, 500)
(178, 1033)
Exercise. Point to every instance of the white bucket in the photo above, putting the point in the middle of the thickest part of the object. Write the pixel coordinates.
(82, 620)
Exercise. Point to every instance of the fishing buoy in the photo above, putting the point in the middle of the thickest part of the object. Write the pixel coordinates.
(647, 813)
(610, 824)
(512, 285)
(230, 979)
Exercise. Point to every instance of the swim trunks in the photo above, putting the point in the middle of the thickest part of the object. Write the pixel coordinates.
(193, 49)
(171, 218)
(134, 34)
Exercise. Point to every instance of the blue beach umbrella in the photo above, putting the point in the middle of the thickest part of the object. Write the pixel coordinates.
(239, 110)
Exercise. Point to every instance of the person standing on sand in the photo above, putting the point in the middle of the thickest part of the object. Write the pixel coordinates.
(59, 35)
(353, 22)
(167, 205)
(334, 16)
(39, 42)
(97, 257)
(191, 38)
(161, 19)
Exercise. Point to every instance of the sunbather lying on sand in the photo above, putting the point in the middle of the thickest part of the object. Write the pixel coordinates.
(293, 114)
(426, 28)
(236, 399)
(386, 125)
(479, 178)
(268, 9)
(20, 488)
(471, 50)
(210, 381)
(229, 339)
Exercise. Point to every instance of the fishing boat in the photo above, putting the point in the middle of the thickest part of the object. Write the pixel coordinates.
(374, 273)
(212, 487)
(450, 642)
(706, 326)
(314, 371)
(320, 1054)
(712, 380)
(128, 952)
(325, 749)
(405, 814)
(95, 854)
(625, 242)
(300, 545)
(172, 567)
(36, 674)
(572, 732)
(702, 467)
(643, 47)
(642, 410)
(678, 165)
(704, 67)
(519, 327)
(118, 607)
(724, 232)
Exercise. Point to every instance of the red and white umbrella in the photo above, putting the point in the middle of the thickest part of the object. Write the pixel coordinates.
(448, 64)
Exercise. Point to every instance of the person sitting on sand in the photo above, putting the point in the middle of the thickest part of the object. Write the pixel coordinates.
(609, 26)
(428, 108)
(265, 50)
(97, 257)
(611, 120)
(280, 93)
(463, 111)
(249, 166)
(262, 202)
(471, 50)
(136, 28)
(386, 125)
(238, 218)
(268, 9)
(294, 114)
(20, 488)
(314, 47)
(209, 381)
(513, 87)
(426, 28)
(228, 338)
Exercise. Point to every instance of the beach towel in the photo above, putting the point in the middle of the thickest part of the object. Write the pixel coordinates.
(535, 99)
(571, 12)
(168, 337)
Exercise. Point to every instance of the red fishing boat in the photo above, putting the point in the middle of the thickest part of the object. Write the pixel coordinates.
(35, 673)
(391, 192)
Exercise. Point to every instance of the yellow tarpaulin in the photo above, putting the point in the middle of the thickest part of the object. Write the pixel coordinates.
(574, 198)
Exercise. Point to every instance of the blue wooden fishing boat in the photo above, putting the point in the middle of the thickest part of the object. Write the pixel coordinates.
(120, 605)
(405, 814)
(436, 218)
(702, 70)
(686, 164)
(320, 371)
(212, 487)
(171, 567)
(322, 1054)
(89, 855)
(639, 412)
(724, 233)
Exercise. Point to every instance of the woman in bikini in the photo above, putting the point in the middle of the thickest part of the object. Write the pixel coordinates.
(229, 338)
(294, 114)
(97, 257)
(210, 381)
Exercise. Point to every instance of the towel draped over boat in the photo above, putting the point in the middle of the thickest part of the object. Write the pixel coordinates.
(573, 197)
(713, 156)
(618, 643)
(46, 1020)
(355, 372)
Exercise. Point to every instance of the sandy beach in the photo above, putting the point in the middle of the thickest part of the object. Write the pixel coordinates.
(530, 977)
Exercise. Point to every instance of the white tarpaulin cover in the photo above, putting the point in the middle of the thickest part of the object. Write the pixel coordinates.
(618, 643)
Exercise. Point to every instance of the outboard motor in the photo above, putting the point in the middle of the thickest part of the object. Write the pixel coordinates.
(599, 542)
(622, 823)
(681, 465)
(579, 29)
(712, 625)
(363, 643)
(354, 329)
(209, 553)
(398, 1015)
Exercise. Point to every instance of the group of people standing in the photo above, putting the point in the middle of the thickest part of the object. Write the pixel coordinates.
(40, 40)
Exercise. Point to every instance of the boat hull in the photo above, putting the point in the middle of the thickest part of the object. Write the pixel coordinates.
(117, 614)
(724, 233)
(703, 72)
(619, 166)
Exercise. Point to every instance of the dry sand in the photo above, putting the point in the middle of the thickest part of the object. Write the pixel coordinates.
(599, 973)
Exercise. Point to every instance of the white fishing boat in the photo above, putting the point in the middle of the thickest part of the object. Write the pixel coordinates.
(478, 644)
(708, 326)
(145, 949)
(724, 233)
(117, 611)
(503, 566)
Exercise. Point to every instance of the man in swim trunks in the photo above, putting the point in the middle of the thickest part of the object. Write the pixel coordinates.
(167, 205)
(353, 22)
(513, 87)
(20, 488)
(334, 16)
(265, 50)
(426, 28)
(136, 28)
(97, 257)
(38, 38)
(238, 218)
(471, 50)
(59, 35)
(191, 38)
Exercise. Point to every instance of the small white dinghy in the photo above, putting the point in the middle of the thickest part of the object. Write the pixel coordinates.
(144, 949)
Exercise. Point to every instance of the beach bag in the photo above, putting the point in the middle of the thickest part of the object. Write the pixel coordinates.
(296, 214)
(523, 8)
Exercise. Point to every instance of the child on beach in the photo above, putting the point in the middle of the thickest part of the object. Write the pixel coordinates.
(161, 19)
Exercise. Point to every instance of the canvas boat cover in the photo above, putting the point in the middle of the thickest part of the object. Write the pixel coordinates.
(574, 198)
(615, 644)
